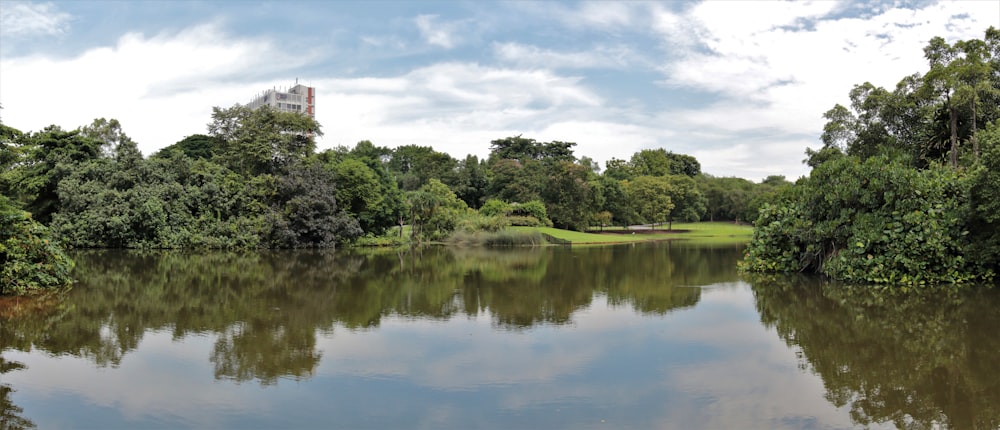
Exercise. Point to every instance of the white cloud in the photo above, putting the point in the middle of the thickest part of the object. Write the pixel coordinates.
(161, 88)
(29, 19)
(457, 108)
(777, 66)
(599, 57)
(743, 85)
(604, 14)
(436, 33)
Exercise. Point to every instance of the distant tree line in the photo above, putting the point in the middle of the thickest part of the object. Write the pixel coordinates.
(256, 180)
(905, 191)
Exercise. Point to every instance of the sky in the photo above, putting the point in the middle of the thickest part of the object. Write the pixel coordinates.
(740, 85)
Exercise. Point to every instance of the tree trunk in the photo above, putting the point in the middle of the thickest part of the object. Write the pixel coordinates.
(953, 122)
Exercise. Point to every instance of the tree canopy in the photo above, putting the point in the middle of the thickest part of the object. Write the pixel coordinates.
(895, 197)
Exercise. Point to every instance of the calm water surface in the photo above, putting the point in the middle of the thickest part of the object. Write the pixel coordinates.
(662, 335)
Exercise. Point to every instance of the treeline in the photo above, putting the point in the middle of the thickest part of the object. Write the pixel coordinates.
(256, 180)
(905, 191)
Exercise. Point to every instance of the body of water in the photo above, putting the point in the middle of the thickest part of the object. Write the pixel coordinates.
(657, 335)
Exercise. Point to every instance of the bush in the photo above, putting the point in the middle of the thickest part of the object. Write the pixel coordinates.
(30, 261)
(876, 221)
(495, 207)
(533, 208)
(502, 238)
(474, 222)
(388, 240)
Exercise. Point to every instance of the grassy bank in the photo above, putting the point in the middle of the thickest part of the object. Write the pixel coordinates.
(702, 232)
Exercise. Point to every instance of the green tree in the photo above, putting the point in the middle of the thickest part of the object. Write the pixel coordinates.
(652, 162)
(195, 146)
(363, 193)
(414, 165)
(650, 197)
(495, 207)
(472, 182)
(111, 136)
(726, 199)
(616, 200)
(516, 181)
(973, 75)
(304, 210)
(570, 195)
(11, 153)
(618, 169)
(263, 140)
(940, 84)
(49, 156)
(877, 221)
(689, 204)
(434, 210)
(984, 202)
(30, 259)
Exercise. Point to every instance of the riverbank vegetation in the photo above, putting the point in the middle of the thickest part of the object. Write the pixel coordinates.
(904, 192)
(30, 261)
(256, 180)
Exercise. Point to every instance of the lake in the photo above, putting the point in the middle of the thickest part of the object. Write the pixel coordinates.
(656, 335)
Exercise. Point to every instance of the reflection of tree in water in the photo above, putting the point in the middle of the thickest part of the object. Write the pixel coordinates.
(660, 277)
(264, 350)
(266, 307)
(10, 414)
(917, 361)
(19, 316)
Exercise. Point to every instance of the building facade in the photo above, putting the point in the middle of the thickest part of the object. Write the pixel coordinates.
(299, 99)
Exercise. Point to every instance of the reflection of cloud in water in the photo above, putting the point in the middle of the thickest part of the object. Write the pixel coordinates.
(461, 354)
(708, 366)
(173, 388)
(763, 388)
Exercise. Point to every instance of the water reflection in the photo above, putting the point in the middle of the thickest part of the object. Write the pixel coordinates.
(266, 308)
(490, 338)
(916, 361)
(10, 414)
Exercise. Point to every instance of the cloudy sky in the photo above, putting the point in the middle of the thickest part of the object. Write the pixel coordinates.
(739, 85)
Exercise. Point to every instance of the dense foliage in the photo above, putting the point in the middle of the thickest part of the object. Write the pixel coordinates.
(256, 180)
(30, 260)
(904, 192)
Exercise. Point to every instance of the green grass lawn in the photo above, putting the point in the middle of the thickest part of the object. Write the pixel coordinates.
(701, 232)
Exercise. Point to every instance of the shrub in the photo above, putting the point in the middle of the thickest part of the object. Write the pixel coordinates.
(474, 222)
(30, 261)
(501, 238)
(875, 221)
(495, 207)
(533, 208)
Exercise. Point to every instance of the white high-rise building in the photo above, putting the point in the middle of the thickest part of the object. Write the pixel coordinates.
(300, 99)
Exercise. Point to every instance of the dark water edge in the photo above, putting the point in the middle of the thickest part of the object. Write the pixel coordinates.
(664, 335)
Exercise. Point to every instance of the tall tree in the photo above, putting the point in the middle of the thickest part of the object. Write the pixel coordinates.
(365, 194)
(974, 72)
(304, 210)
(109, 133)
(940, 84)
(414, 165)
(263, 140)
(49, 156)
(195, 146)
(570, 196)
(650, 197)
(689, 204)
(434, 210)
(472, 181)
